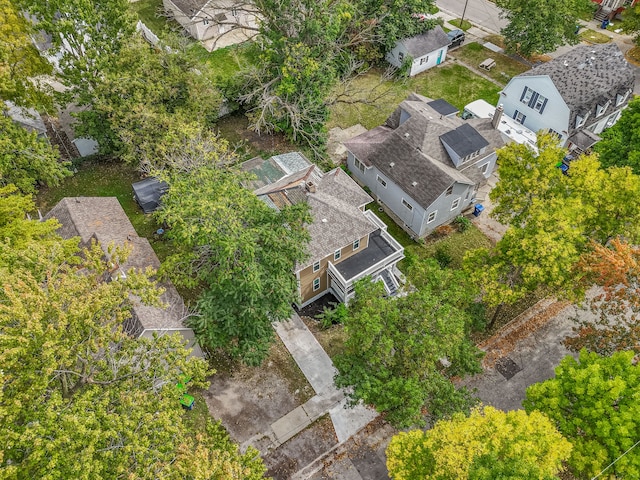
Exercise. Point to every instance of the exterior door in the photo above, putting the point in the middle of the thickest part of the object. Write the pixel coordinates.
(439, 57)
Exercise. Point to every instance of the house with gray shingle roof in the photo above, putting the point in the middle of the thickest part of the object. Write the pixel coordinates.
(425, 50)
(576, 95)
(102, 219)
(423, 166)
(347, 242)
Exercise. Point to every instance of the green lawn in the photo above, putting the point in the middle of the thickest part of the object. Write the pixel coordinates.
(591, 36)
(506, 67)
(453, 82)
(150, 12)
(461, 24)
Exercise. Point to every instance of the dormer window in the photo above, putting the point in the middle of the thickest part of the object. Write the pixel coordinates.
(620, 98)
(600, 109)
(449, 190)
(580, 121)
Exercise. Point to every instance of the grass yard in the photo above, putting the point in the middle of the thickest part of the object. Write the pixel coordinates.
(506, 67)
(455, 244)
(591, 36)
(453, 82)
(150, 12)
(461, 24)
(225, 62)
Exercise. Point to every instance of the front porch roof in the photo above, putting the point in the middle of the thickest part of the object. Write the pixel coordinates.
(379, 249)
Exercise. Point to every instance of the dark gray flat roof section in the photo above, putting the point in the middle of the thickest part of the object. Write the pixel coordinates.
(443, 107)
(378, 250)
(464, 140)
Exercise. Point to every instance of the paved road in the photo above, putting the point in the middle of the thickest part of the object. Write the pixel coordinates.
(480, 12)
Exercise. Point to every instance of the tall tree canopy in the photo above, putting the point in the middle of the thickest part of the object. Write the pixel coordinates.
(394, 349)
(87, 36)
(552, 218)
(620, 144)
(487, 445)
(146, 102)
(615, 268)
(79, 398)
(26, 159)
(541, 26)
(240, 250)
(20, 61)
(594, 404)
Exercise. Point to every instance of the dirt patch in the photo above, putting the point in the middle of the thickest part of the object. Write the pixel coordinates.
(302, 449)
(235, 128)
(247, 400)
(332, 339)
(318, 306)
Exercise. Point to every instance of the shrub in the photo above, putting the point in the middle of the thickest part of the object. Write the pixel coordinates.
(336, 313)
(463, 223)
(443, 230)
(442, 256)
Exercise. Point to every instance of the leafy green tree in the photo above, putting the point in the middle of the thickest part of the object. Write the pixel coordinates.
(19, 60)
(488, 444)
(26, 160)
(543, 25)
(394, 350)
(552, 218)
(146, 102)
(78, 397)
(616, 269)
(88, 36)
(631, 22)
(239, 250)
(620, 144)
(594, 404)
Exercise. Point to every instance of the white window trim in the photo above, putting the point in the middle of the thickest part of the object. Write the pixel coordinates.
(484, 168)
(622, 98)
(358, 164)
(407, 205)
(316, 266)
(381, 181)
(316, 284)
(600, 109)
(449, 191)
(337, 255)
(434, 214)
(455, 204)
(520, 117)
(356, 244)
(527, 96)
(539, 103)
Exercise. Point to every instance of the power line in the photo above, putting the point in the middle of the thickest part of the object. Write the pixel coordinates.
(605, 469)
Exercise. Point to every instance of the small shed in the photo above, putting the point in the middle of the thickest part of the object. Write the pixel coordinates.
(425, 51)
(148, 192)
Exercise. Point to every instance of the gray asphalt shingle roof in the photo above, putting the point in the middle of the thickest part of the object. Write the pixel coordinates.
(588, 74)
(103, 219)
(426, 43)
(411, 153)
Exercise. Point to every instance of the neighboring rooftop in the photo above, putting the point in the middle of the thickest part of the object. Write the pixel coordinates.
(427, 42)
(335, 200)
(408, 150)
(103, 219)
(587, 72)
(191, 8)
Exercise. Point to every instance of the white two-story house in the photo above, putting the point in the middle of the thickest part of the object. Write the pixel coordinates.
(575, 96)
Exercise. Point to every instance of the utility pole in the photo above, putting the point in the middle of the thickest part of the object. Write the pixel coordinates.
(464, 10)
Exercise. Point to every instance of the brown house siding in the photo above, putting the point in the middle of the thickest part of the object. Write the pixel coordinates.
(307, 275)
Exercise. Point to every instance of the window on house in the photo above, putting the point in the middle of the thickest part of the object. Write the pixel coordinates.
(401, 56)
(600, 109)
(553, 132)
(485, 168)
(234, 12)
(580, 121)
(356, 244)
(424, 60)
(359, 165)
(205, 21)
(466, 197)
(432, 216)
(407, 204)
(519, 117)
(316, 266)
(449, 190)
(540, 103)
(381, 181)
(527, 95)
(337, 254)
(620, 98)
(455, 203)
(316, 284)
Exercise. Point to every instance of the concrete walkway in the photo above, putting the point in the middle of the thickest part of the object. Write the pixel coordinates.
(318, 368)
